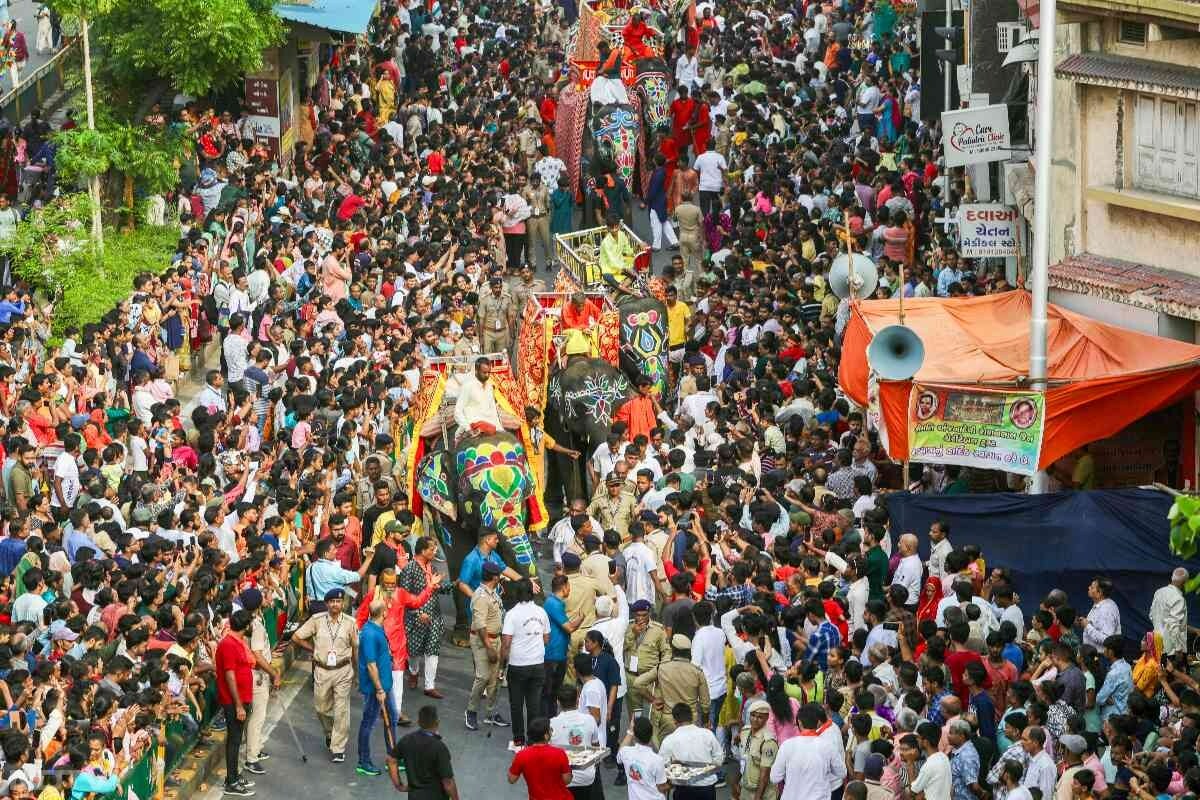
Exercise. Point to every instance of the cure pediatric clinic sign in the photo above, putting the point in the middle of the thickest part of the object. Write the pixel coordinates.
(975, 135)
(987, 230)
(976, 428)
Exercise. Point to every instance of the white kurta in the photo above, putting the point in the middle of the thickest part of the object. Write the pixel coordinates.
(1168, 614)
(475, 403)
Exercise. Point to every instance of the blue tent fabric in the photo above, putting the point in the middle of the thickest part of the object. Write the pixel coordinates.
(1059, 540)
(346, 16)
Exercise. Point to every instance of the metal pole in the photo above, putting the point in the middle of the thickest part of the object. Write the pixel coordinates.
(1039, 269)
(948, 72)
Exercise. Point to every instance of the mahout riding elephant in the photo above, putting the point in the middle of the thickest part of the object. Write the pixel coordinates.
(616, 132)
(481, 482)
(581, 399)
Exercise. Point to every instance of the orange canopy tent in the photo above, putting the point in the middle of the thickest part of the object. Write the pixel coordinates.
(1100, 377)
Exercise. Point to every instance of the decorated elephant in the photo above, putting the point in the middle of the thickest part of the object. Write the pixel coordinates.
(644, 340)
(482, 482)
(581, 400)
(619, 132)
(653, 88)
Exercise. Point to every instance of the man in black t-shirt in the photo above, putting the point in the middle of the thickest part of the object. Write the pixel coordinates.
(420, 762)
(386, 554)
(383, 503)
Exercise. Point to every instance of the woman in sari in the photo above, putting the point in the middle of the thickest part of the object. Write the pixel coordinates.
(1148, 668)
(931, 595)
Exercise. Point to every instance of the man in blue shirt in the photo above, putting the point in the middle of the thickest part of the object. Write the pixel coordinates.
(12, 548)
(78, 535)
(324, 574)
(1113, 697)
(561, 628)
(375, 683)
(470, 574)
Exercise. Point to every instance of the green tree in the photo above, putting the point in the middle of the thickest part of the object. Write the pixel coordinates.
(52, 250)
(84, 11)
(200, 45)
(1184, 517)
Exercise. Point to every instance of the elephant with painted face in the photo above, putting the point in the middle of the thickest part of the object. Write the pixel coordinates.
(644, 339)
(581, 400)
(482, 482)
(619, 132)
(653, 88)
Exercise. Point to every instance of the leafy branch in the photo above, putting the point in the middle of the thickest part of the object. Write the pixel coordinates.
(1185, 532)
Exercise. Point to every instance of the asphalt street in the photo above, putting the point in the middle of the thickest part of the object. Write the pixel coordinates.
(25, 13)
(481, 758)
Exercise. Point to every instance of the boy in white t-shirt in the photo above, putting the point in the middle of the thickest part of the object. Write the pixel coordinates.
(644, 769)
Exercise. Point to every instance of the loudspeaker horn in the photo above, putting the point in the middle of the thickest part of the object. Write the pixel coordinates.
(896, 353)
(858, 287)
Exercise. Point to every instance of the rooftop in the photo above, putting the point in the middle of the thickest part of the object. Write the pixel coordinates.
(1161, 290)
(1124, 72)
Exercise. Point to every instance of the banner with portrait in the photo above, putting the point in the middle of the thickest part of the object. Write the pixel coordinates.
(972, 427)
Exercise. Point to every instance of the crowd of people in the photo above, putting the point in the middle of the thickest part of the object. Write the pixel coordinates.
(728, 593)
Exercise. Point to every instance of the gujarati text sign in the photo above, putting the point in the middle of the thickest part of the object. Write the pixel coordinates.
(976, 428)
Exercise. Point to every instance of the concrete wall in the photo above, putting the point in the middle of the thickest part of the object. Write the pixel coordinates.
(1065, 185)
(1087, 153)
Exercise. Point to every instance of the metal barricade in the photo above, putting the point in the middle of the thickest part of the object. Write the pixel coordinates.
(37, 86)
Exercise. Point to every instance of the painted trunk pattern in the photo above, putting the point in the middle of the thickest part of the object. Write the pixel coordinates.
(615, 130)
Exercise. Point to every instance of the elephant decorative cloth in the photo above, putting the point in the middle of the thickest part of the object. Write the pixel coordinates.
(494, 482)
(653, 86)
(533, 353)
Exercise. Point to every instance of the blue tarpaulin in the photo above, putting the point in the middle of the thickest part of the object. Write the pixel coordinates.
(346, 16)
(1059, 541)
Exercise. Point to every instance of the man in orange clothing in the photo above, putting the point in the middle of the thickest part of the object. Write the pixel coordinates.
(641, 411)
(580, 312)
(634, 35)
(683, 117)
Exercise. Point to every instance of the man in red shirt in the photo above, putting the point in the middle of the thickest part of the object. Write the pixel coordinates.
(549, 108)
(957, 658)
(634, 35)
(580, 312)
(545, 767)
(235, 689)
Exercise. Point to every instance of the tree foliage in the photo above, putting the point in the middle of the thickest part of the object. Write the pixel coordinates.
(147, 155)
(1184, 517)
(200, 45)
(52, 250)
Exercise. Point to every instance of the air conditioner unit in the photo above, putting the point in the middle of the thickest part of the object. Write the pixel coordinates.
(1009, 35)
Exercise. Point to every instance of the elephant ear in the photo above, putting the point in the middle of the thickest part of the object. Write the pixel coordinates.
(435, 483)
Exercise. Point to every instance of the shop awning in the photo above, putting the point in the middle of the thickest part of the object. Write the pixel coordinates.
(1101, 377)
(345, 16)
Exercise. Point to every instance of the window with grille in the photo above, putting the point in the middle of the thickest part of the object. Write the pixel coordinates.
(1132, 32)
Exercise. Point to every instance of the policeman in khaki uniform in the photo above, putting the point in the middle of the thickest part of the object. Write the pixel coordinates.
(758, 748)
(645, 648)
(675, 681)
(487, 618)
(496, 318)
(332, 638)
